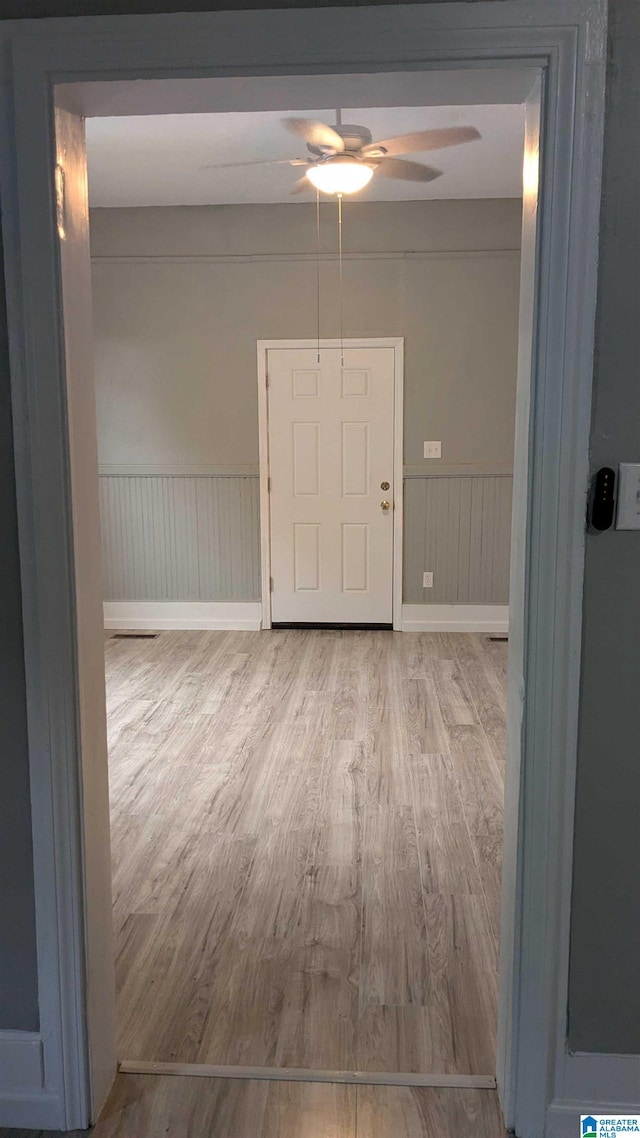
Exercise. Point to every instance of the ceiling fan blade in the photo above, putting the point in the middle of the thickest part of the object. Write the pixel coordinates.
(301, 185)
(424, 140)
(315, 133)
(256, 162)
(406, 171)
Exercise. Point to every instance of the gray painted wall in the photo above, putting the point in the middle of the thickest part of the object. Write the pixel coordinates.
(18, 993)
(604, 996)
(182, 296)
(604, 993)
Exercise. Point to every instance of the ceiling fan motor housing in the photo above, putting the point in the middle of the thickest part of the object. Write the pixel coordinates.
(355, 137)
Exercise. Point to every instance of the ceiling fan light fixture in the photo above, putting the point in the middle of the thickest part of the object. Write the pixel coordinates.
(340, 175)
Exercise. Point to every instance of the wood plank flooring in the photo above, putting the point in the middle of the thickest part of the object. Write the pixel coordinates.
(306, 838)
(144, 1106)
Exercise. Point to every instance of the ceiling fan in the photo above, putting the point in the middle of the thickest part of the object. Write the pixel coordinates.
(343, 158)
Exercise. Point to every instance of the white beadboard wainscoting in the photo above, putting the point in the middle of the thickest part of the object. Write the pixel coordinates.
(457, 525)
(180, 533)
(181, 548)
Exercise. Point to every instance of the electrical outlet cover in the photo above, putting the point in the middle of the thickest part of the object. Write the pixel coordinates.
(433, 449)
(427, 580)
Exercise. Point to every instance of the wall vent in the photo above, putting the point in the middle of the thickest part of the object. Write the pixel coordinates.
(134, 636)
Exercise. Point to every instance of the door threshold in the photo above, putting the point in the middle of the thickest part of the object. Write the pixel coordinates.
(303, 1075)
(339, 626)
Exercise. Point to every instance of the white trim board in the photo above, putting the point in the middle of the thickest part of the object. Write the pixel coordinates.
(455, 618)
(176, 470)
(23, 1097)
(563, 1118)
(436, 468)
(594, 1084)
(28, 1110)
(21, 1063)
(244, 616)
(257, 258)
(306, 1075)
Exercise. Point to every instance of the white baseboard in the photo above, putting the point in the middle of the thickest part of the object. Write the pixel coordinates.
(455, 618)
(244, 616)
(24, 1101)
(21, 1063)
(563, 1118)
(247, 616)
(38, 1110)
(593, 1084)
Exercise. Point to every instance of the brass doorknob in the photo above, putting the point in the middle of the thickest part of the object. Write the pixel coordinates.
(385, 505)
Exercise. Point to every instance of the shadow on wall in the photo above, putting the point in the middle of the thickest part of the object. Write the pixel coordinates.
(604, 978)
(18, 973)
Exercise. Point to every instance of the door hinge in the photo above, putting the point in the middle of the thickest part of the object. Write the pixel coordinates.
(271, 584)
(266, 381)
(269, 484)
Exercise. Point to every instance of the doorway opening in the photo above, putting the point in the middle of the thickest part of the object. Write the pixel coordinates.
(64, 708)
(306, 821)
(550, 500)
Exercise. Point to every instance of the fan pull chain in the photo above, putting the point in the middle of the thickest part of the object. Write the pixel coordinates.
(340, 292)
(318, 269)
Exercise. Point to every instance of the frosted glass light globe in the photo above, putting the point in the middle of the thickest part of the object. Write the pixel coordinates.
(340, 175)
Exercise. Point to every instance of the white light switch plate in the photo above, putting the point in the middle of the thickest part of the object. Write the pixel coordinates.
(427, 580)
(628, 511)
(433, 450)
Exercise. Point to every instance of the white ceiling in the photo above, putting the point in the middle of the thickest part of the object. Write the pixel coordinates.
(142, 160)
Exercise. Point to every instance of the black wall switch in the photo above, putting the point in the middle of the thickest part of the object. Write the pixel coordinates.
(603, 501)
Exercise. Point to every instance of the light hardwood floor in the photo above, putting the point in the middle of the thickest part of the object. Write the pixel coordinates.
(306, 839)
(144, 1106)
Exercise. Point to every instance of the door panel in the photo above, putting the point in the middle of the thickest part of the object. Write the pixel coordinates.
(355, 557)
(355, 460)
(306, 458)
(330, 450)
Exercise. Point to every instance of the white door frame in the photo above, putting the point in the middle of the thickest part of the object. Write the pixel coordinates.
(264, 346)
(566, 41)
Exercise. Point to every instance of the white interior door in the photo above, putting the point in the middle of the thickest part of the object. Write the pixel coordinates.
(331, 452)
